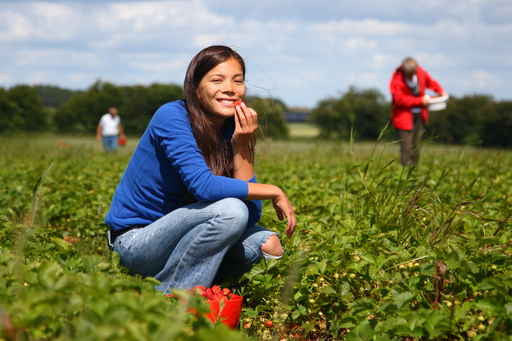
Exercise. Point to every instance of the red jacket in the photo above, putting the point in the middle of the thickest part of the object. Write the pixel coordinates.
(403, 100)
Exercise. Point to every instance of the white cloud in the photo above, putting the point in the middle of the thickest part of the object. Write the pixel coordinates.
(38, 77)
(51, 11)
(360, 43)
(362, 27)
(155, 16)
(208, 39)
(294, 49)
(16, 26)
(380, 61)
(481, 80)
(77, 79)
(363, 79)
(56, 57)
(39, 20)
(5, 77)
(435, 60)
(153, 62)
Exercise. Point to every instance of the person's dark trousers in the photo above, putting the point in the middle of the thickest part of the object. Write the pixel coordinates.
(410, 141)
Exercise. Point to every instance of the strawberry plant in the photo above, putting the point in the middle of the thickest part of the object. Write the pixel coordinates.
(380, 253)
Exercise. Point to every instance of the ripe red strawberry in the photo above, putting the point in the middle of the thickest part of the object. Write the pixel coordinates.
(268, 323)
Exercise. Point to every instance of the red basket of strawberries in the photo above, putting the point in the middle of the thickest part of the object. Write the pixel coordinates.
(225, 307)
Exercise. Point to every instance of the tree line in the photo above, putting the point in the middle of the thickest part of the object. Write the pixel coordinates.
(41, 108)
(362, 114)
(359, 114)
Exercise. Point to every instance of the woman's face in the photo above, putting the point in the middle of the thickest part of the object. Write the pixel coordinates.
(222, 87)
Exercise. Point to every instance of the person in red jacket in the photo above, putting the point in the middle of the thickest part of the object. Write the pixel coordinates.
(409, 103)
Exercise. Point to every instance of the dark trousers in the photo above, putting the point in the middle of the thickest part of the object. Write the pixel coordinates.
(410, 141)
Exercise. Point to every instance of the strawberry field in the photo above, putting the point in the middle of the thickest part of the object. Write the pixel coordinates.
(380, 253)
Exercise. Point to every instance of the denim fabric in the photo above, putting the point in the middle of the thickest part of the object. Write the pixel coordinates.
(244, 254)
(110, 143)
(186, 247)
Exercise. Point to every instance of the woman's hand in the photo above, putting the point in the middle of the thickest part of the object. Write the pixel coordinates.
(282, 205)
(242, 141)
(246, 124)
(284, 209)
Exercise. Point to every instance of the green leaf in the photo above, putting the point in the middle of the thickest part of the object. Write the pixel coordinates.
(61, 243)
(328, 290)
(402, 299)
(437, 324)
(508, 309)
(363, 331)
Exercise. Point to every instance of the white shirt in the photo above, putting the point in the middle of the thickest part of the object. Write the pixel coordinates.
(109, 125)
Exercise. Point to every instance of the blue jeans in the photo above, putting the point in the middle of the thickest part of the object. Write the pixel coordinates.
(187, 247)
(110, 143)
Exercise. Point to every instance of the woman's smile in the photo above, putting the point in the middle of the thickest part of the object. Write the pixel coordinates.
(228, 102)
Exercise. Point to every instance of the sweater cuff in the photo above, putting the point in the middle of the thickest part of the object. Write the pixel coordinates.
(237, 189)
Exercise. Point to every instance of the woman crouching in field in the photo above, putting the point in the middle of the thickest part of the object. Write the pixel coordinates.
(187, 205)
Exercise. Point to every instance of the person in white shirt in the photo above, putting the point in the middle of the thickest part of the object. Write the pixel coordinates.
(109, 129)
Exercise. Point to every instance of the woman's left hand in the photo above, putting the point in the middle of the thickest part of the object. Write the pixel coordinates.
(246, 124)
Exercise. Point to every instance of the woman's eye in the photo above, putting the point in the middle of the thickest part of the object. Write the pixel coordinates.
(216, 80)
(239, 81)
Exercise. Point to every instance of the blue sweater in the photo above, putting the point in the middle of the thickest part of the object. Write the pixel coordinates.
(166, 166)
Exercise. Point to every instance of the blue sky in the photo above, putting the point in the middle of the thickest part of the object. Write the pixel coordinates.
(301, 51)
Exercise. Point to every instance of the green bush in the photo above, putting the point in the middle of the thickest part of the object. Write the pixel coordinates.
(270, 116)
(21, 109)
(463, 120)
(136, 105)
(358, 113)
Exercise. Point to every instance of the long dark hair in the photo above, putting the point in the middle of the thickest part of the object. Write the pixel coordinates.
(216, 150)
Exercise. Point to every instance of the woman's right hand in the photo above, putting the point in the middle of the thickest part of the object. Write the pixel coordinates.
(282, 205)
(284, 209)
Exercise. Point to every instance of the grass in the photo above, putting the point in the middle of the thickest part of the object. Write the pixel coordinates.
(381, 252)
(303, 130)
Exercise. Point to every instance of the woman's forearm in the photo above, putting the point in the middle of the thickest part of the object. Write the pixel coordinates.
(243, 163)
(263, 191)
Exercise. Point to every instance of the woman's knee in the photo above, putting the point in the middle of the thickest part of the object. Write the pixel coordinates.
(272, 246)
(234, 212)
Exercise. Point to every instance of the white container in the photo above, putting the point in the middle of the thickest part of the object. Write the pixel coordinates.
(438, 103)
